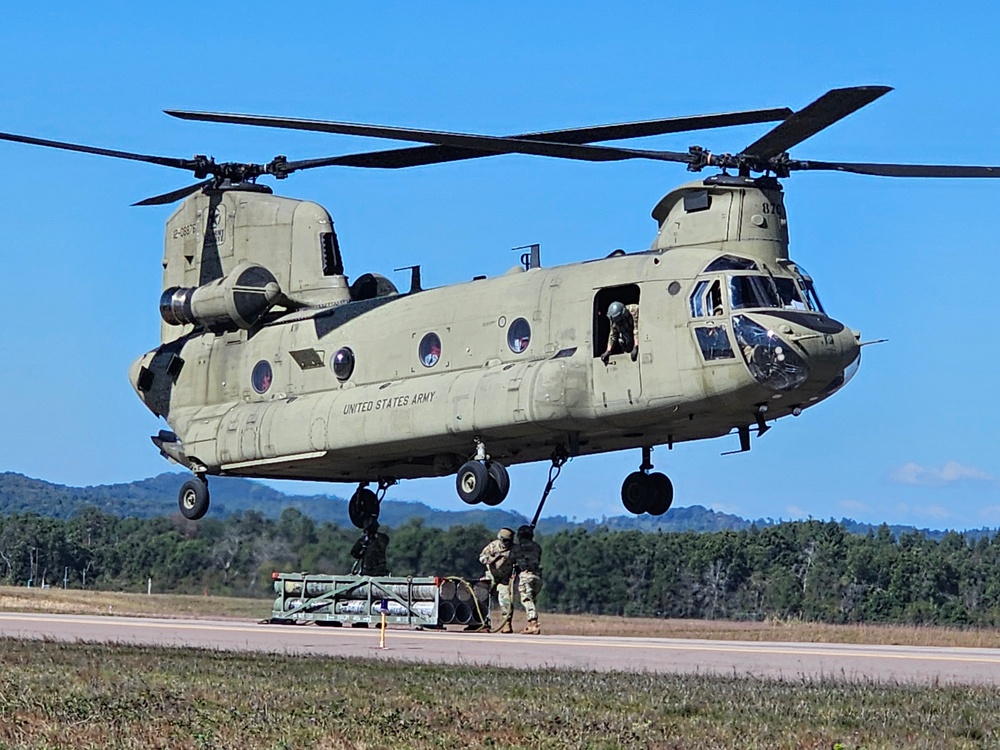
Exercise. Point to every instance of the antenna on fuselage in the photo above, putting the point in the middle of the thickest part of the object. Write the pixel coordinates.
(532, 258)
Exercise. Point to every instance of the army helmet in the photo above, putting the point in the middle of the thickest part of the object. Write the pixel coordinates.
(525, 532)
(616, 310)
(505, 534)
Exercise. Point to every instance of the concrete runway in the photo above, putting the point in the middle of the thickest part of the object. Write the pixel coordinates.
(664, 655)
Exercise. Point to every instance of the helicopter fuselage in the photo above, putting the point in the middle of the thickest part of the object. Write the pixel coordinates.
(355, 386)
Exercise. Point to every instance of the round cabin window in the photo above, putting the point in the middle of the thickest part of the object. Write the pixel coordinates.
(430, 350)
(343, 363)
(519, 335)
(261, 376)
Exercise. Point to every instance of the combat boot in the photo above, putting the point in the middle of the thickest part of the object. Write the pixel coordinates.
(532, 628)
(506, 628)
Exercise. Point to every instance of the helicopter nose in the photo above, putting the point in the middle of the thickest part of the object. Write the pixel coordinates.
(833, 354)
(809, 354)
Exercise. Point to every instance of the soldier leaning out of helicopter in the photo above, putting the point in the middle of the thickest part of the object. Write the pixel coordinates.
(369, 551)
(624, 333)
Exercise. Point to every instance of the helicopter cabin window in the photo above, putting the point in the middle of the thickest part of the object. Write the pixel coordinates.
(261, 377)
(731, 263)
(429, 350)
(788, 292)
(714, 343)
(706, 300)
(806, 285)
(627, 295)
(519, 335)
(343, 363)
(752, 291)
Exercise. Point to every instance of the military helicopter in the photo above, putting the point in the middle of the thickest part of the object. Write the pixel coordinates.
(273, 365)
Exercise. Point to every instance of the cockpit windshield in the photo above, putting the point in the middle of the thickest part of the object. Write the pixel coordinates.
(766, 291)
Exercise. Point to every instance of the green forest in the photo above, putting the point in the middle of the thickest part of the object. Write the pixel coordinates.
(811, 570)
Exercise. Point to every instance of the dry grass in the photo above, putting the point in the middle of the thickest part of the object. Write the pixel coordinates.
(57, 695)
(219, 607)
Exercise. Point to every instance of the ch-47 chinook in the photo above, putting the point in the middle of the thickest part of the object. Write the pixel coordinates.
(272, 365)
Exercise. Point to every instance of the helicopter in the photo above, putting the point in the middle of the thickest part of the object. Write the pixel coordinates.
(273, 364)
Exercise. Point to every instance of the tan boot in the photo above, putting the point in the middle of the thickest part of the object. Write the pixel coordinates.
(506, 628)
(532, 628)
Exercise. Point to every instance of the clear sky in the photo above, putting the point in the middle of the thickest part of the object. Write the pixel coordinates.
(913, 439)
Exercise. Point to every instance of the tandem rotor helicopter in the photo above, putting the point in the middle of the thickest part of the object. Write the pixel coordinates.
(272, 365)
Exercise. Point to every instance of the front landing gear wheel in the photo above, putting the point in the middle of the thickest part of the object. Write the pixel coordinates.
(636, 492)
(473, 482)
(661, 494)
(499, 483)
(362, 506)
(193, 499)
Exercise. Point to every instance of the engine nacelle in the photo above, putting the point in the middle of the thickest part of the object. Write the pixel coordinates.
(239, 298)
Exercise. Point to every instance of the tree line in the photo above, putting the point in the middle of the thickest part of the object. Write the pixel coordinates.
(811, 570)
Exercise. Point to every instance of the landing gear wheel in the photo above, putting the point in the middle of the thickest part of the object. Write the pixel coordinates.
(661, 494)
(636, 492)
(362, 506)
(473, 482)
(193, 499)
(499, 483)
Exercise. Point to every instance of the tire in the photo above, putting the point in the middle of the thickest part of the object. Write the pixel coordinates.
(472, 482)
(661, 494)
(499, 483)
(362, 506)
(193, 499)
(636, 493)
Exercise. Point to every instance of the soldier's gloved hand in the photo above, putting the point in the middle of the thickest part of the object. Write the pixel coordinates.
(635, 352)
(605, 357)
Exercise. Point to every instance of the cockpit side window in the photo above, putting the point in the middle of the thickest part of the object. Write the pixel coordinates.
(788, 292)
(706, 299)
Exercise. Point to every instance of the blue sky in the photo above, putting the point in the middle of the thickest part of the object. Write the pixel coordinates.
(913, 439)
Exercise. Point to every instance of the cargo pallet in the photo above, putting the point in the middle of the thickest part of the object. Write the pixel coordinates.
(425, 602)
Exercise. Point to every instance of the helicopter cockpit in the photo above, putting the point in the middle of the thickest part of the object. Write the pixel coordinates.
(735, 285)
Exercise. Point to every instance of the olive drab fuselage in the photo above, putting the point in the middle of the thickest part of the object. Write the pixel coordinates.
(361, 383)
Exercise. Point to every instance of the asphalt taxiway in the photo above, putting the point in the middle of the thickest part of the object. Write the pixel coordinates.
(907, 664)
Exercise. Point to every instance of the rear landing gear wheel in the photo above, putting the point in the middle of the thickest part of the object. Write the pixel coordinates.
(193, 498)
(636, 492)
(473, 482)
(499, 483)
(661, 494)
(363, 506)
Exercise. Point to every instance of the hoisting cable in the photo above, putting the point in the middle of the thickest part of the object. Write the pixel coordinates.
(559, 458)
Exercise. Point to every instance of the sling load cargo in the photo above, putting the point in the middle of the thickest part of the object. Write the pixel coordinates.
(357, 601)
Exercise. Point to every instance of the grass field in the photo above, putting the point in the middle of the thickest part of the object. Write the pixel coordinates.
(106, 696)
(60, 695)
(171, 605)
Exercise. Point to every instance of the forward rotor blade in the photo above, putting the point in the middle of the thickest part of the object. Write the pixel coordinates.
(486, 143)
(898, 170)
(832, 106)
(165, 161)
(456, 146)
(175, 195)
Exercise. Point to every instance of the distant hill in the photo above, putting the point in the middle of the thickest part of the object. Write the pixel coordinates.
(157, 496)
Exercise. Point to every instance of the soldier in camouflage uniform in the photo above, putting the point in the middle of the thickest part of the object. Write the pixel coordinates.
(624, 333)
(369, 551)
(498, 558)
(528, 561)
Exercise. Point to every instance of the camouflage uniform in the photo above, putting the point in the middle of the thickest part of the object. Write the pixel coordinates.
(623, 336)
(498, 558)
(370, 551)
(528, 559)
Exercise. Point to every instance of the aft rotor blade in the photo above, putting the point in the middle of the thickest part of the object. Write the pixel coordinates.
(898, 170)
(175, 195)
(832, 106)
(416, 156)
(165, 161)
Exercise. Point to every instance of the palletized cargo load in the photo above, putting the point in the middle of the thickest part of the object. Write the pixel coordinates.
(424, 602)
